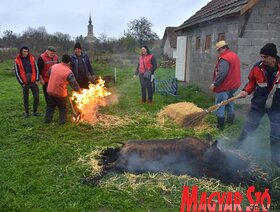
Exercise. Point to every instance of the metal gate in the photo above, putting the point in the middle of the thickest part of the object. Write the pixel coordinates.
(168, 86)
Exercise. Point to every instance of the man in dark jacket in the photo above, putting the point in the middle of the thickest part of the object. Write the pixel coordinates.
(81, 67)
(264, 83)
(27, 74)
(226, 81)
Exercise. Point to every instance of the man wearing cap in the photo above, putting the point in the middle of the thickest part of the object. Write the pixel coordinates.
(264, 84)
(27, 75)
(45, 61)
(226, 81)
(81, 67)
(60, 76)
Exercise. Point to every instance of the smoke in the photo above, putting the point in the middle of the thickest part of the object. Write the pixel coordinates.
(256, 146)
(112, 99)
(170, 163)
(251, 158)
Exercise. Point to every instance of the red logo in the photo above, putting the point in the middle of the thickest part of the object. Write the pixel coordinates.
(224, 201)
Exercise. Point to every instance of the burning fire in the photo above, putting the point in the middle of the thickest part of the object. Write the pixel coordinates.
(85, 104)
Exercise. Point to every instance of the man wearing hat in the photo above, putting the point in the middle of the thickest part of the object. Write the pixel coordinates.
(60, 76)
(45, 61)
(264, 84)
(226, 81)
(81, 67)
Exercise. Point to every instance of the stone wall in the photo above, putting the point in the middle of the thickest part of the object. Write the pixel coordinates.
(203, 61)
(263, 26)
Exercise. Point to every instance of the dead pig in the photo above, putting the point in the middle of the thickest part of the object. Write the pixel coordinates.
(177, 156)
(189, 155)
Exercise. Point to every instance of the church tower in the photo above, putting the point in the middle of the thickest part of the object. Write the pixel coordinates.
(90, 37)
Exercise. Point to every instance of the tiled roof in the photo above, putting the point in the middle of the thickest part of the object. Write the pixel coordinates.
(171, 35)
(217, 9)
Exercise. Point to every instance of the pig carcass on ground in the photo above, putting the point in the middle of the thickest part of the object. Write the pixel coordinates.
(191, 156)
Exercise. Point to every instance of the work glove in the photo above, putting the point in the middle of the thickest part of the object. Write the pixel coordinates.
(152, 78)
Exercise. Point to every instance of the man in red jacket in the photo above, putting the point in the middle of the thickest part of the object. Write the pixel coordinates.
(226, 81)
(60, 76)
(264, 84)
(45, 61)
(27, 74)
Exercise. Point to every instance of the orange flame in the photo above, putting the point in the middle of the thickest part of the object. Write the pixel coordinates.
(89, 99)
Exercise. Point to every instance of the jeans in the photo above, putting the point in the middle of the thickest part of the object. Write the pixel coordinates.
(229, 108)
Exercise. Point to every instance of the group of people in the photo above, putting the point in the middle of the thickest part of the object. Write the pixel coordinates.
(263, 84)
(54, 77)
(76, 71)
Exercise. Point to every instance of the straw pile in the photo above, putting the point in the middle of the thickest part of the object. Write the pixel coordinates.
(178, 112)
(169, 185)
(107, 121)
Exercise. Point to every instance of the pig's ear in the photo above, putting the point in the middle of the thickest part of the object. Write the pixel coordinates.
(214, 144)
(209, 137)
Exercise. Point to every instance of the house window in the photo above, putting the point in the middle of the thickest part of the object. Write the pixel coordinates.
(197, 43)
(208, 42)
(221, 36)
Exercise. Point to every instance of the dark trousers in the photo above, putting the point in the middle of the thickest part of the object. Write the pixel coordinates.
(252, 123)
(146, 86)
(35, 92)
(61, 103)
(254, 118)
(46, 95)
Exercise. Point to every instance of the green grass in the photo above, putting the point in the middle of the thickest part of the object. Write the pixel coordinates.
(41, 165)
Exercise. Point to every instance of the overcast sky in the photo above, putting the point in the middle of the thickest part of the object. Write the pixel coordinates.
(109, 16)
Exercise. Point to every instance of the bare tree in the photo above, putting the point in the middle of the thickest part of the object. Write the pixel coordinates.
(9, 38)
(140, 30)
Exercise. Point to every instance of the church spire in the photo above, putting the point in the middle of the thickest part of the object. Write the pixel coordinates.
(90, 26)
(90, 37)
(90, 22)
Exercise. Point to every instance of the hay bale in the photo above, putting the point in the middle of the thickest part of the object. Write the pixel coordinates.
(178, 112)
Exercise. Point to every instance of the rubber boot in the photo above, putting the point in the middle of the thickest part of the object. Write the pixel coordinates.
(275, 151)
(221, 123)
(230, 118)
